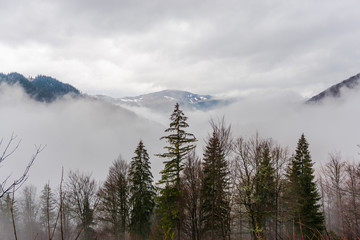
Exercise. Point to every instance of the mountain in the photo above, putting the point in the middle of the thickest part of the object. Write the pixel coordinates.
(335, 90)
(40, 88)
(165, 100)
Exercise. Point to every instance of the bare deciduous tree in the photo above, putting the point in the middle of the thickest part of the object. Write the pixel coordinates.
(114, 207)
(9, 148)
(191, 182)
(81, 196)
(334, 177)
(262, 212)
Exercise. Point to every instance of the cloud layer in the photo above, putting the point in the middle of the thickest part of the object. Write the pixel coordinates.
(79, 133)
(87, 134)
(214, 47)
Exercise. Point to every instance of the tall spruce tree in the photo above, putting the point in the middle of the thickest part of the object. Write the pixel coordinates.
(47, 210)
(142, 193)
(180, 144)
(215, 205)
(265, 190)
(304, 196)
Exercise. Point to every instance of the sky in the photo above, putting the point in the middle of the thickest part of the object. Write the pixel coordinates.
(273, 54)
(224, 48)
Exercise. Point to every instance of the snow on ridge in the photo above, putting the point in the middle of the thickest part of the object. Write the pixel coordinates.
(131, 100)
(170, 98)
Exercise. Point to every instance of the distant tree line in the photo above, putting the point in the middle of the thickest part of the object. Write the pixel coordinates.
(241, 188)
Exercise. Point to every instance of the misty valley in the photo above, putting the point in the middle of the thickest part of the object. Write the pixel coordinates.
(177, 165)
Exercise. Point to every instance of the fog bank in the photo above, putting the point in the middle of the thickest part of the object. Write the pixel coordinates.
(88, 134)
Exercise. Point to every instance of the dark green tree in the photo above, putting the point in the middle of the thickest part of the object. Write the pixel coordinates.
(303, 194)
(265, 190)
(180, 144)
(142, 194)
(215, 204)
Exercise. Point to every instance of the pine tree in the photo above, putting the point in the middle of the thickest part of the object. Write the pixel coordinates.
(215, 206)
(142, 193)
(47, 210)
(180, 144)
(29, 212)
(6, 224)
(265, 190)
(305, 207)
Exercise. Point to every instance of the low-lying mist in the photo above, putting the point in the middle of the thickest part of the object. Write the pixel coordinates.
(80, 133)
(87, 134)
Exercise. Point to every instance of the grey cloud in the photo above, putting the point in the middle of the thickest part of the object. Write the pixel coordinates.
(117, 46)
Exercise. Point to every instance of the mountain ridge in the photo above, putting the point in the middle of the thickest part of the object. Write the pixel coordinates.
(335, 90)
(164, 100)
(41, 88)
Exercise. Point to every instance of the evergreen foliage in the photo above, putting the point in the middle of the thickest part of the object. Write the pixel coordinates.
(265, 190)
(215, 205)
(29, 211)
(180, 144)
(142, 193)
(42, 88)
(5, 217)
(304, 196)
(47, 209)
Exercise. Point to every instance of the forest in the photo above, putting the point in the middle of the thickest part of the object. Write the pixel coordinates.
(238, 188)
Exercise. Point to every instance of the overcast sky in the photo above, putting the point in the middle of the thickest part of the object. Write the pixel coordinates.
(225, 47)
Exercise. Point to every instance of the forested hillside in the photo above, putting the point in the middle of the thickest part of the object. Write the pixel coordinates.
(238, 188)
(41, 88)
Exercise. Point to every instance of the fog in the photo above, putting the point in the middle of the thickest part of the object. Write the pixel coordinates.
(330, 126)
(88, 134)
(81, 133)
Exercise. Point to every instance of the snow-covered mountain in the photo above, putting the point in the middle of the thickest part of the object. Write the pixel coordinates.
(335, 90)
(165, 100)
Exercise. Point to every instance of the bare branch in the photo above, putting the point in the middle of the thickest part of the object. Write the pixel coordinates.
(6, 153)
(18, 182)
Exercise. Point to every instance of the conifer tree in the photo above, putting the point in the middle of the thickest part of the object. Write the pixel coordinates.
(265, 190)
(47, 210)
(215, 205)
(304, 196)
(180, 144)
(142, 193)
(29, 212)
(6, 224)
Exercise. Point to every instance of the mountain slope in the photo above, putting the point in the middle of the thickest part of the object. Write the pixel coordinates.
(165, 100)
(335, 90)
(41, 88)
